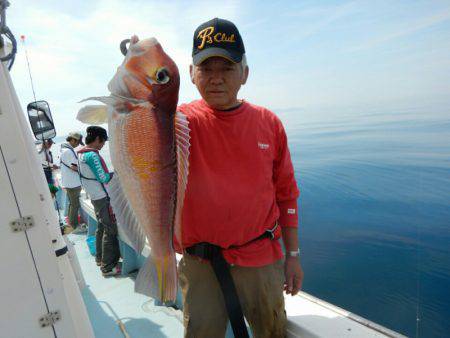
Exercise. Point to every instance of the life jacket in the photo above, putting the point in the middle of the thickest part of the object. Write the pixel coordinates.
(95, 189)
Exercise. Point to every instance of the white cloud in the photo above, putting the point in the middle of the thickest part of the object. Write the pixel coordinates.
(326, 16)
(407, 29)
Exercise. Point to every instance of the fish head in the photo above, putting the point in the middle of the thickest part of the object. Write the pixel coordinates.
(150, 74)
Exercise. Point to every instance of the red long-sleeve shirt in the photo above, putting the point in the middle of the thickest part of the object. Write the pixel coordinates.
(241, 181)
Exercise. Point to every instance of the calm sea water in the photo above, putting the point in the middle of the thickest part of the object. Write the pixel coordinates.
(375, 214)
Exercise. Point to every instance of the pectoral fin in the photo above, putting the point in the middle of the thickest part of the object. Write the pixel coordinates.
(93, 114)
(127, 221)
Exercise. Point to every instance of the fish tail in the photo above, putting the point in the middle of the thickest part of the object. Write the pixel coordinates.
(158, 278)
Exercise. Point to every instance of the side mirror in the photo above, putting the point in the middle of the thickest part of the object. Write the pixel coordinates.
(41, 120)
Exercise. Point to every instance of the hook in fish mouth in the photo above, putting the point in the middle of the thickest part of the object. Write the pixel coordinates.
(123, 46)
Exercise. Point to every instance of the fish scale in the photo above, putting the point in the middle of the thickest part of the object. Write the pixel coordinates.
(154, 201)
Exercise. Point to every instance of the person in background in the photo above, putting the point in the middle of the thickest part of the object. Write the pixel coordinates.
(241, 199)
(95, 176)
(46, 157)
(70, 180)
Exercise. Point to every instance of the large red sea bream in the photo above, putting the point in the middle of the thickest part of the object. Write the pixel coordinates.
(149, 145)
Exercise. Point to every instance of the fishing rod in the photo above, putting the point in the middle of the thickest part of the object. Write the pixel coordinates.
(22, 39)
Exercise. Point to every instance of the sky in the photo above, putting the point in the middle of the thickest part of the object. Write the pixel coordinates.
(303, 55)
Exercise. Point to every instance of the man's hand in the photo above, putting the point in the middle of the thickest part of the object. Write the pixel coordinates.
(74, 167)
(293, 274)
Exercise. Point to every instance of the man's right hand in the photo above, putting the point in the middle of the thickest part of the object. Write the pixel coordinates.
(293, 273)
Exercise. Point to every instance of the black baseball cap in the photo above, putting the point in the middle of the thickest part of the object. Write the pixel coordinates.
(217, 37)
(95, 131)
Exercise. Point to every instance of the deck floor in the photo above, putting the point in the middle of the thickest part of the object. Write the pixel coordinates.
(110, 299)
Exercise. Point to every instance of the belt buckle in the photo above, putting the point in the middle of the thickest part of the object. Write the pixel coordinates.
(271, 233)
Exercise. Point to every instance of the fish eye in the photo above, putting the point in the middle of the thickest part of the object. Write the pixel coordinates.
(162, 76)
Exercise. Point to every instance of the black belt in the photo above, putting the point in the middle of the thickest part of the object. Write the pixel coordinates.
(213, 253)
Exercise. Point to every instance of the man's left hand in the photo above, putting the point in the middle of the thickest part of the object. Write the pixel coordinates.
(293, 274)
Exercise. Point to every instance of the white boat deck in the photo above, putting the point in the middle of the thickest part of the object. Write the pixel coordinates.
(109, 300)
(308, 316)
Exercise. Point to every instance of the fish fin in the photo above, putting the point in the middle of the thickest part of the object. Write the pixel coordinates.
(157, 278)
(127, 221)
(182, 136)
(108, 100)
(93, 114)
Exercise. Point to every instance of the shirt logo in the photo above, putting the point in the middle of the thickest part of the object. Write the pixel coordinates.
(206, 36)
(291, 211)
(263, 146)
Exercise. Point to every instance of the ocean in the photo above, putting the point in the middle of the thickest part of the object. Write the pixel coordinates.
(375, 213)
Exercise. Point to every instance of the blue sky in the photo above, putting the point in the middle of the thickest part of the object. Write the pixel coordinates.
(311, 55)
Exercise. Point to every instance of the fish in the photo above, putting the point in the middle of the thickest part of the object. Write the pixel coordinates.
(149, 147)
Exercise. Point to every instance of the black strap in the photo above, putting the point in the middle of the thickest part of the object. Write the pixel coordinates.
(269, 233)
(62, 162)
(213, 253)
(65, 146)
(50, 155)
(91, 179)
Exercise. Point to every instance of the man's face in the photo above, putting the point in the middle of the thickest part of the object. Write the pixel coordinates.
(218, 80)
(74, 143)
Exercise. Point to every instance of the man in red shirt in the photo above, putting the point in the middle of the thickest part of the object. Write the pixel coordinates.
(240, 199)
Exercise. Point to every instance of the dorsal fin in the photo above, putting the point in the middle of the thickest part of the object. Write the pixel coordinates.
(126, 219)
(182, 137)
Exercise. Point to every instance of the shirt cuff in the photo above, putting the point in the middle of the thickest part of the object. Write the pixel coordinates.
(288, 214)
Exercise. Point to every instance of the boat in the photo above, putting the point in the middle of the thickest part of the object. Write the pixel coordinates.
(51, 286)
